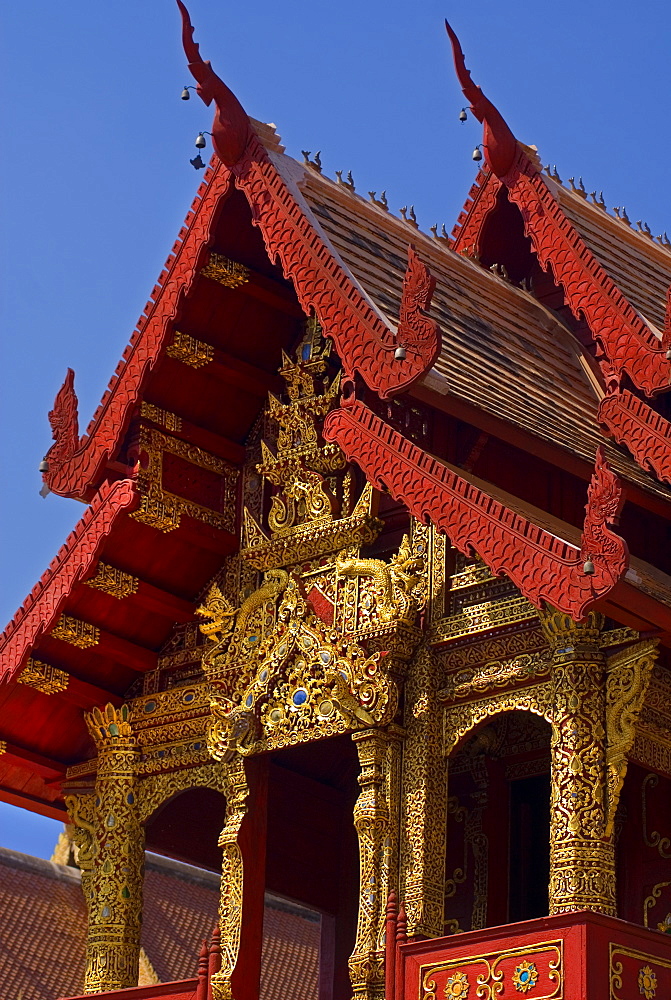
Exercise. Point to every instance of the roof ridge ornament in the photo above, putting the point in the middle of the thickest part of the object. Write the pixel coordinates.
(499, 142)
(231, 129)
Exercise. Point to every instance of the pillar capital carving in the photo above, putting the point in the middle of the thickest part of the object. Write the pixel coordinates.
(561, 630)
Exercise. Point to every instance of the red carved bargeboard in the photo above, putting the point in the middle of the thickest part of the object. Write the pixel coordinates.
(540, 564)
(74, 473)
(625, 338)
(645, 433)
(574, 956)
(364, 342)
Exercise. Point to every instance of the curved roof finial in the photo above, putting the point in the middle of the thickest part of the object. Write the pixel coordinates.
(499, 142)
(230, 129)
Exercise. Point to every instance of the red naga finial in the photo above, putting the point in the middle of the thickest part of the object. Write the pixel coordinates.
(64, 425)
(499, 142)
(417, 332)
(230, 129)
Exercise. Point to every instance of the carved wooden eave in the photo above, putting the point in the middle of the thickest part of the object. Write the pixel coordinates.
(628, 344)
(43, 606)
(543, 566)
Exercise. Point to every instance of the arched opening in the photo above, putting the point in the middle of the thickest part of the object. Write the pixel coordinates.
(312, 859)
(498, 831)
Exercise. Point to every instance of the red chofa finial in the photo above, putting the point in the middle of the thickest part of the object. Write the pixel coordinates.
(201, 989)
(390, 946)
(499, 142)
(230, 129)
(214, 963)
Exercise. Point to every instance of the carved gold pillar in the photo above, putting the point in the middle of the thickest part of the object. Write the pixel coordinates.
(582, 857)
(376, 823)
(424, 801)
(115, 894)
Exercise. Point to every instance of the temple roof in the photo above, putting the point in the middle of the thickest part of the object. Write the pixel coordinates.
(43, 930)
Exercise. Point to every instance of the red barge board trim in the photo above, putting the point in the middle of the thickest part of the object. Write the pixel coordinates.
(645, 433)
(77, 471)
(44, 604)
(629, 344)
(540, 564)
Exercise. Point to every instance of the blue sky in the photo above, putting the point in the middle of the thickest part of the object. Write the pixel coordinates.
(96, 177)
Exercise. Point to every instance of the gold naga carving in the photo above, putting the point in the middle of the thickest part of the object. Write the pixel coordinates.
(399, 585)
(189, 351)
(301, 681)
(225, 271)
(628, 674)
(76, 632)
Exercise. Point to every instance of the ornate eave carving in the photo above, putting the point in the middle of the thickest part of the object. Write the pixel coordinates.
(543, 567)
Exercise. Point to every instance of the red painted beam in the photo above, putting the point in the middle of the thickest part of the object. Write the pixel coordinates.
(31, 761)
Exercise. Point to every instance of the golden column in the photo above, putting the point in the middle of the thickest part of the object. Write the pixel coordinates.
(582, 856)
(115, 895)
(424, 801)
(376, 822)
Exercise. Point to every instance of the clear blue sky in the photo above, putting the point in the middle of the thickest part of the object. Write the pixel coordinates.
(96, 178)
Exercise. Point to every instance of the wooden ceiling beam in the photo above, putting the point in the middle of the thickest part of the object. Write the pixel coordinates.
(31, 760)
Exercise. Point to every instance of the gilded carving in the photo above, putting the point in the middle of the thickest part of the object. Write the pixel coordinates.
(225, 271)
(116, 843)
(460, 719)
(162, 508)
(164, 418)
(473, 682)
(43, 677)
(627, 677)
(76, 632)
(483, 618)
(399, 585)
(374, 820)
(582, 862)
(113, 581)
(300, 682)
(424, 800)
(189, 351)
(236, 790)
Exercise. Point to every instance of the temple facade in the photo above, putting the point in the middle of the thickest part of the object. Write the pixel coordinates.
(370, 606)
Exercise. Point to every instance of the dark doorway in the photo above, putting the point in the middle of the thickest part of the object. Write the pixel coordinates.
(529, 866)
(312, 855)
